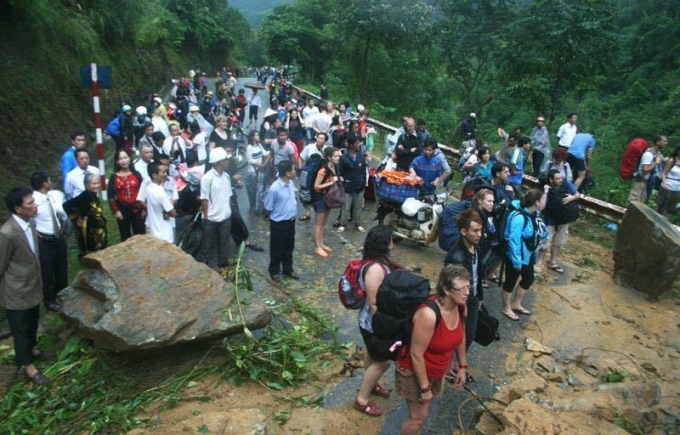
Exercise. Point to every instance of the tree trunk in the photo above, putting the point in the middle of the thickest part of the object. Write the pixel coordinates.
(364, 71)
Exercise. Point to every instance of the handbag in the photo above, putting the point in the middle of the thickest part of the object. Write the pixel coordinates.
(487, 327)
(335, 196)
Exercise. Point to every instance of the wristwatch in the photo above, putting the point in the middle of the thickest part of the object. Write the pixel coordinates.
(425, 390)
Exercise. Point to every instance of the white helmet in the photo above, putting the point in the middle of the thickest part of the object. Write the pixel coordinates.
(141, 111)
(127, 108)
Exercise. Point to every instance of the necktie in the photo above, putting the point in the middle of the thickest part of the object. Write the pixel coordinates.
(178, 152)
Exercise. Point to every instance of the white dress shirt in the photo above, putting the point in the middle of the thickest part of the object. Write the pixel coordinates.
(75, 181)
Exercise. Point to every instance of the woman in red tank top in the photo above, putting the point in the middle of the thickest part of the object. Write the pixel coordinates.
(421, 367)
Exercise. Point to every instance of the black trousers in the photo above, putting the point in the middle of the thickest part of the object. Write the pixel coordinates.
(53, 266)
(281, 246)
(24, 327)
(239, 229)
(130, 225)
(214, 249)
(471, 320)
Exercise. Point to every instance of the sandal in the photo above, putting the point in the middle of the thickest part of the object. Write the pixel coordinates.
(381, 391)
(360, 228)
(337, 223)
(493, 278)
(370, 408)
(555, 267)
(522, 311)
(321, 253)
(304, 217)
(326, 248)
(512, 316)
(341, 228)
(485, 284)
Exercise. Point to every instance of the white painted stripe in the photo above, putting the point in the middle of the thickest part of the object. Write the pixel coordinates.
(95, 102)
(93, 71)
(98, 133)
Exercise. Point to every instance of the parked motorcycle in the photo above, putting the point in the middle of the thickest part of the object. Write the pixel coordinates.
(415, 219)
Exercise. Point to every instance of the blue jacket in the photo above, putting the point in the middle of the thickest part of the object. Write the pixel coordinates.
(429, 170)
(519, 227)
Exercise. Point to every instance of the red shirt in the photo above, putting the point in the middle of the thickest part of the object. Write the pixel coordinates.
(126, 189)
(440, 350)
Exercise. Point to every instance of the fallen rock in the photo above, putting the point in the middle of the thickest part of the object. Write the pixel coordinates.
(148, 294)
(526, 384)
(647, 253)
(535, 346)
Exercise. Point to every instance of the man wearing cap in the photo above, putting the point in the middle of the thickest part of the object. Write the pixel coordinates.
(206, 105)
(139, 122)
(567, 131)
(540, 141)
(215, 197)
(127, 130)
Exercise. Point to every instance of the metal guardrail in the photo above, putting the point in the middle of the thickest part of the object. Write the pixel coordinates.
(589, 204)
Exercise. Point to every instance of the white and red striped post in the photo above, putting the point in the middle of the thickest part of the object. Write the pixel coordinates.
(98, 128)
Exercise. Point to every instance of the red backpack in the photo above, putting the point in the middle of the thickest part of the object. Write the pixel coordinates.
(351, 285)
(631, 157)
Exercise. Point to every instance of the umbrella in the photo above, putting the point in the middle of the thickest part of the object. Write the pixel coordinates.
(254, 85)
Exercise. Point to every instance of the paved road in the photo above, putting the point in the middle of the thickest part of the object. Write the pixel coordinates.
(318, 286)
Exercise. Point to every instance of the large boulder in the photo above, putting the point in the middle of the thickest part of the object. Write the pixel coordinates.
(148, 294)
(647, 253)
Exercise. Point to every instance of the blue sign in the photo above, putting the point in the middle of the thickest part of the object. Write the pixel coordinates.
(104, 77)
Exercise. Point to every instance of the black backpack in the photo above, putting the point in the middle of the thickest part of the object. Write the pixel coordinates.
(400, 293)
(307, 178)
(562, 213)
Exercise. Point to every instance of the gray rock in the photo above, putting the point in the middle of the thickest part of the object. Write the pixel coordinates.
(148, 294)
(647, 253)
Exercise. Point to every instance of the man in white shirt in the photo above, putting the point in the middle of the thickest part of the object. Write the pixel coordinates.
(254, 107)
(145, 157)
(159, 209)
(176, 147)
(308, 114)
(75, 180)
(215, 194)
(567, 131)
(649, 161)
(50, 223)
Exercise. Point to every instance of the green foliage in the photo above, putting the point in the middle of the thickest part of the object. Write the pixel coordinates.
(90, 392)
(284, 354)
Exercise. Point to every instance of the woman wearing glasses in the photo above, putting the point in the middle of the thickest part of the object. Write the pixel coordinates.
(437, 337)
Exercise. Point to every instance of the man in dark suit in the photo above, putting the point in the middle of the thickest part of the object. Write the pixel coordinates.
(20, 280)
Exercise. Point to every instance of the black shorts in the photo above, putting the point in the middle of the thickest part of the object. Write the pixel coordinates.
(577, 165)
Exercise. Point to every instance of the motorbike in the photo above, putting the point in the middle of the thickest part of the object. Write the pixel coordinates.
(415, 219)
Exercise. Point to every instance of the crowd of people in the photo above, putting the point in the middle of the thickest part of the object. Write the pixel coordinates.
(183, 163)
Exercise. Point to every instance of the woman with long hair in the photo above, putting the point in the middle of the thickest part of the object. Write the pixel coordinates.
(123, 188)
(255, 171)
(296, 129)
(377, 247)
(325, 178)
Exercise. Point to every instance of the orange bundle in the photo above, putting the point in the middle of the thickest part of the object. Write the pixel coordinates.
(399, 178)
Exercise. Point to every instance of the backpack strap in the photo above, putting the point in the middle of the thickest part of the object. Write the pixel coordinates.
(435, 307)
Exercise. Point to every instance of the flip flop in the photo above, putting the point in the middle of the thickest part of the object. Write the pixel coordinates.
(512, 316)
(304, 217)
(337, 223)
(522, 311)
(556, 268)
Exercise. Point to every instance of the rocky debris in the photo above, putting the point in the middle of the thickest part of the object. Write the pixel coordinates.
(524, 417)
(148, 294)
(535, 346)
(647, 253)
(526, 385)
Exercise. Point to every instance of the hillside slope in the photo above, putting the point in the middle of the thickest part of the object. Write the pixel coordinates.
(256, 10)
